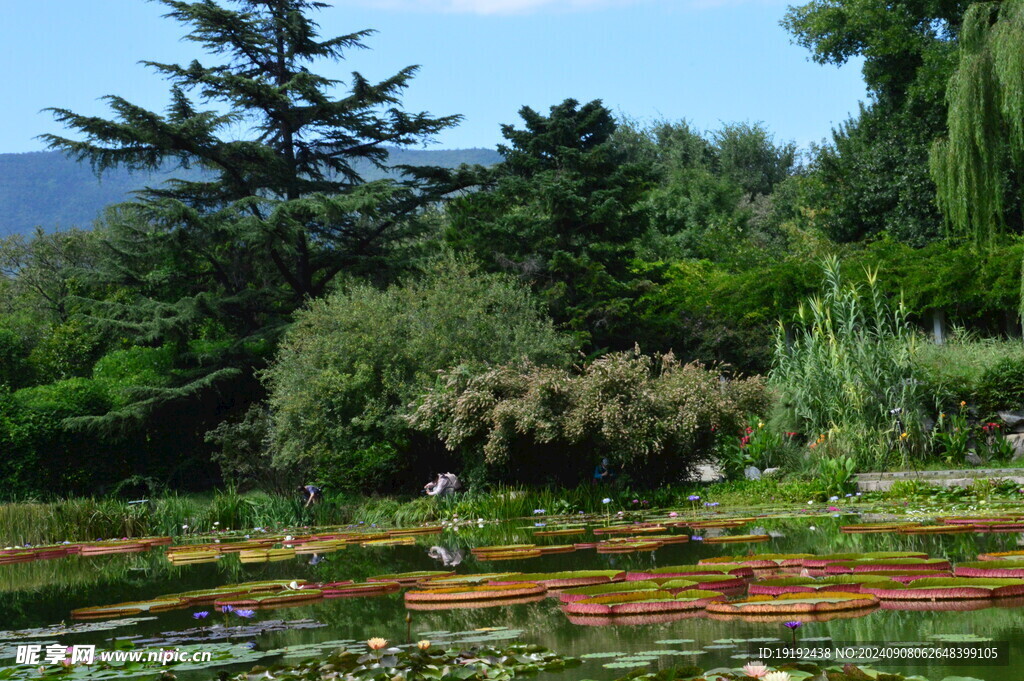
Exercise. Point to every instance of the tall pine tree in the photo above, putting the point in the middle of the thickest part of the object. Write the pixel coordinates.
(215, 262)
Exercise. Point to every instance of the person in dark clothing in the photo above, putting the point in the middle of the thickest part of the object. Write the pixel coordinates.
(603, 472)
(313, 494)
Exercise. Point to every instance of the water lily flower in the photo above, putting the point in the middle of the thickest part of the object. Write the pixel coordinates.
(376, 643)
(848, 496)
(755, 670)
(694, 497)
(833, 508)
(201, 615)
(226, 608)
(294, 585)
(673, 514)
(539, 511)
(696, 537)
(423, 645)
(606, 500)
(809, 503)
(776, 676)
(794, 624)
(539, 524)
(833, 498)
(241, 612)
(184, 527)
(216, 523)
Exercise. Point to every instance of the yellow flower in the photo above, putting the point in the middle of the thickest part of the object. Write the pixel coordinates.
(760, 424)
(423, 645)
(962, 403)
(942, 416)
(376, 643)
(903, 436)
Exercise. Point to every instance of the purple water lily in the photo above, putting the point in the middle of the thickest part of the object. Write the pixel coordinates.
(241, 612)
(201, 615)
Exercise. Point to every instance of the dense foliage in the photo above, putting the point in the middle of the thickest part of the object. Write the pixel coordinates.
(653, 416)
(355, 361)
(309, 300)
(848, 378)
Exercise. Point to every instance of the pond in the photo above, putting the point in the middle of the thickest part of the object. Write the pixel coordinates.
(44, 592)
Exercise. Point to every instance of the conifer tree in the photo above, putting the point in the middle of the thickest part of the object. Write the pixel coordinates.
(258, 221)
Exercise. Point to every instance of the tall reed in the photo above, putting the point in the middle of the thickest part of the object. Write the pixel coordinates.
(847, 380)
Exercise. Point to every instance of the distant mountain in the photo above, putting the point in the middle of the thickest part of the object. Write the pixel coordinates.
(47, 189)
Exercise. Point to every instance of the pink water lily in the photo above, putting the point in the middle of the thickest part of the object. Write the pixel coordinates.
(755, 669)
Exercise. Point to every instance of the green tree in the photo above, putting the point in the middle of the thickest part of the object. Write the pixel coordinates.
(216, 264)
(874, 176)
(354, 363)
(561, 211)
(977, 167)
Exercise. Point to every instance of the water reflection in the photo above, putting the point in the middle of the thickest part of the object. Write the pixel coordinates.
(44, 592)
(448, 557)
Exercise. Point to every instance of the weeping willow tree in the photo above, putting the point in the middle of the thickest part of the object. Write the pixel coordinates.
(974, 167)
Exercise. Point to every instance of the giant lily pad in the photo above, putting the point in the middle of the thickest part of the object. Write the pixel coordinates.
(475, 593)
(796, 603)
(128, 608)
(947, 588)
(643, 602)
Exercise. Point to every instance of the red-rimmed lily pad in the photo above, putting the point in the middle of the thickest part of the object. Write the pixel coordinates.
(628, 546)
(347, 589)
(738, 539)
(259, 600)
(760, 561)
(584, 592)
(476, 593)
(991, 568)
(822, 561)
(796, 604)
(407, 578)
(888, 564)
(127, 609)
(643, 603)
(685, 571)
(464, 580)
(1002, 555)
(874, 528)
(560, 533)
(947, 588)
(565, 580)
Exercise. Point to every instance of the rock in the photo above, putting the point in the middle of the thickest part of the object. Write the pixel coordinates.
(752, 473)
(1017, 440)
(1013, 419)
(709, 473)
(771, 472)
(973, 459)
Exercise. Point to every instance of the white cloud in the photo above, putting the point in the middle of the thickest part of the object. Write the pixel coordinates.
(490, 6)
(506, 7)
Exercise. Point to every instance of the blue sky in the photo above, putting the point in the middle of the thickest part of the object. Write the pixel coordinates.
(709, 61)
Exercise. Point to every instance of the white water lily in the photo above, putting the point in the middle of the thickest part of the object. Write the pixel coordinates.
(776, 676)
(294, 585)
(606, 500)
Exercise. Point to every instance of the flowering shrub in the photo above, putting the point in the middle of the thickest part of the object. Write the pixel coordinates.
(650, 414)
(754, 445)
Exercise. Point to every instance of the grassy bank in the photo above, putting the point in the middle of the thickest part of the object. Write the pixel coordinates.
(87, 519)
(179, 515)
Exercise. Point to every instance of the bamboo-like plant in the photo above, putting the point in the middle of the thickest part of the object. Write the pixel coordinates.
(847, 379)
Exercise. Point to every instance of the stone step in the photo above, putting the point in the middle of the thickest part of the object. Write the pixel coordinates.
(881, 482)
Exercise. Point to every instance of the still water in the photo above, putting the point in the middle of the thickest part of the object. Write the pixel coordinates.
(44, 592)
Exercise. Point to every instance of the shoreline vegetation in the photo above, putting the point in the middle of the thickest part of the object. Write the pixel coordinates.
(89, 519)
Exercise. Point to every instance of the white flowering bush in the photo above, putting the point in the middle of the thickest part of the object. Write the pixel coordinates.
(652, 415)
